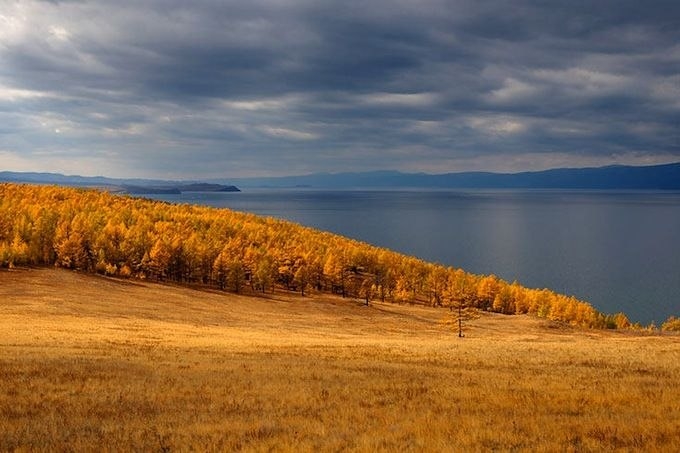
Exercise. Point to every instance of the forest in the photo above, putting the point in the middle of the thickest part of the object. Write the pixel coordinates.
(122, 236)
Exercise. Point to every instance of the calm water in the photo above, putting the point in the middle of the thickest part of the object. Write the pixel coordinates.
(618, 250)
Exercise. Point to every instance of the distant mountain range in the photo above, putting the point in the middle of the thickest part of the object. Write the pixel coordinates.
(656, 177)
(618, 177)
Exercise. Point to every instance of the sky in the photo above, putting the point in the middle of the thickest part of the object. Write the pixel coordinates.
(221, 88)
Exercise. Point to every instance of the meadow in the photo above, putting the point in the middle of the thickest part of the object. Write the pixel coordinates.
(91, 363)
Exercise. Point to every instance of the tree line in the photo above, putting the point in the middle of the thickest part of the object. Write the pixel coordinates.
(95, 231)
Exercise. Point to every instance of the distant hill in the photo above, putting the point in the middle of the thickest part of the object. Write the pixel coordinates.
(616, 177)
(131, 186)
(656, 177)
(177, 188)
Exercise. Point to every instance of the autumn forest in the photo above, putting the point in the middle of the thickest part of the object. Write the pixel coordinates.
(95, 231)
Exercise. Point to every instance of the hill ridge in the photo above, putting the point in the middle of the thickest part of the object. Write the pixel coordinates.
(98, 232)
(610, 177)
(614, 177)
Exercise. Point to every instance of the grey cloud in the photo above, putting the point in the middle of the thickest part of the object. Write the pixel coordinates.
(229, 87)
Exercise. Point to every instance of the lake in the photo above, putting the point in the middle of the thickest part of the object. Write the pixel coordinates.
(620, 251)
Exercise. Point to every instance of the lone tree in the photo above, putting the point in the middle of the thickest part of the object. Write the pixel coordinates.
(460, 298)
(459, 314)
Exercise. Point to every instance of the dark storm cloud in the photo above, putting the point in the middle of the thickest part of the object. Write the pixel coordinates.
(211, 88)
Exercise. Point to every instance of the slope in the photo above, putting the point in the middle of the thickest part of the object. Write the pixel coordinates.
(88, 362)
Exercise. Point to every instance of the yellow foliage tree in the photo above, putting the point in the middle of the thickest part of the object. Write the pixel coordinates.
(96, 231)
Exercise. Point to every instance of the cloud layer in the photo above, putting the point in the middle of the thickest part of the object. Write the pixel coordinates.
(231, 88)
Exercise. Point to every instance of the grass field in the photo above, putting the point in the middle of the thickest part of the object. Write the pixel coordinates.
(95, 364)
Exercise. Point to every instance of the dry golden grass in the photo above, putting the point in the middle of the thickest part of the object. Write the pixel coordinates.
(94, 364)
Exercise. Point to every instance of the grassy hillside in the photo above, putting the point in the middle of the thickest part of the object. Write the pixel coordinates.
(97, 232)
(89, 362)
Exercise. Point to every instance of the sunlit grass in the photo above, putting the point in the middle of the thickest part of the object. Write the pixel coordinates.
(89, 364)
